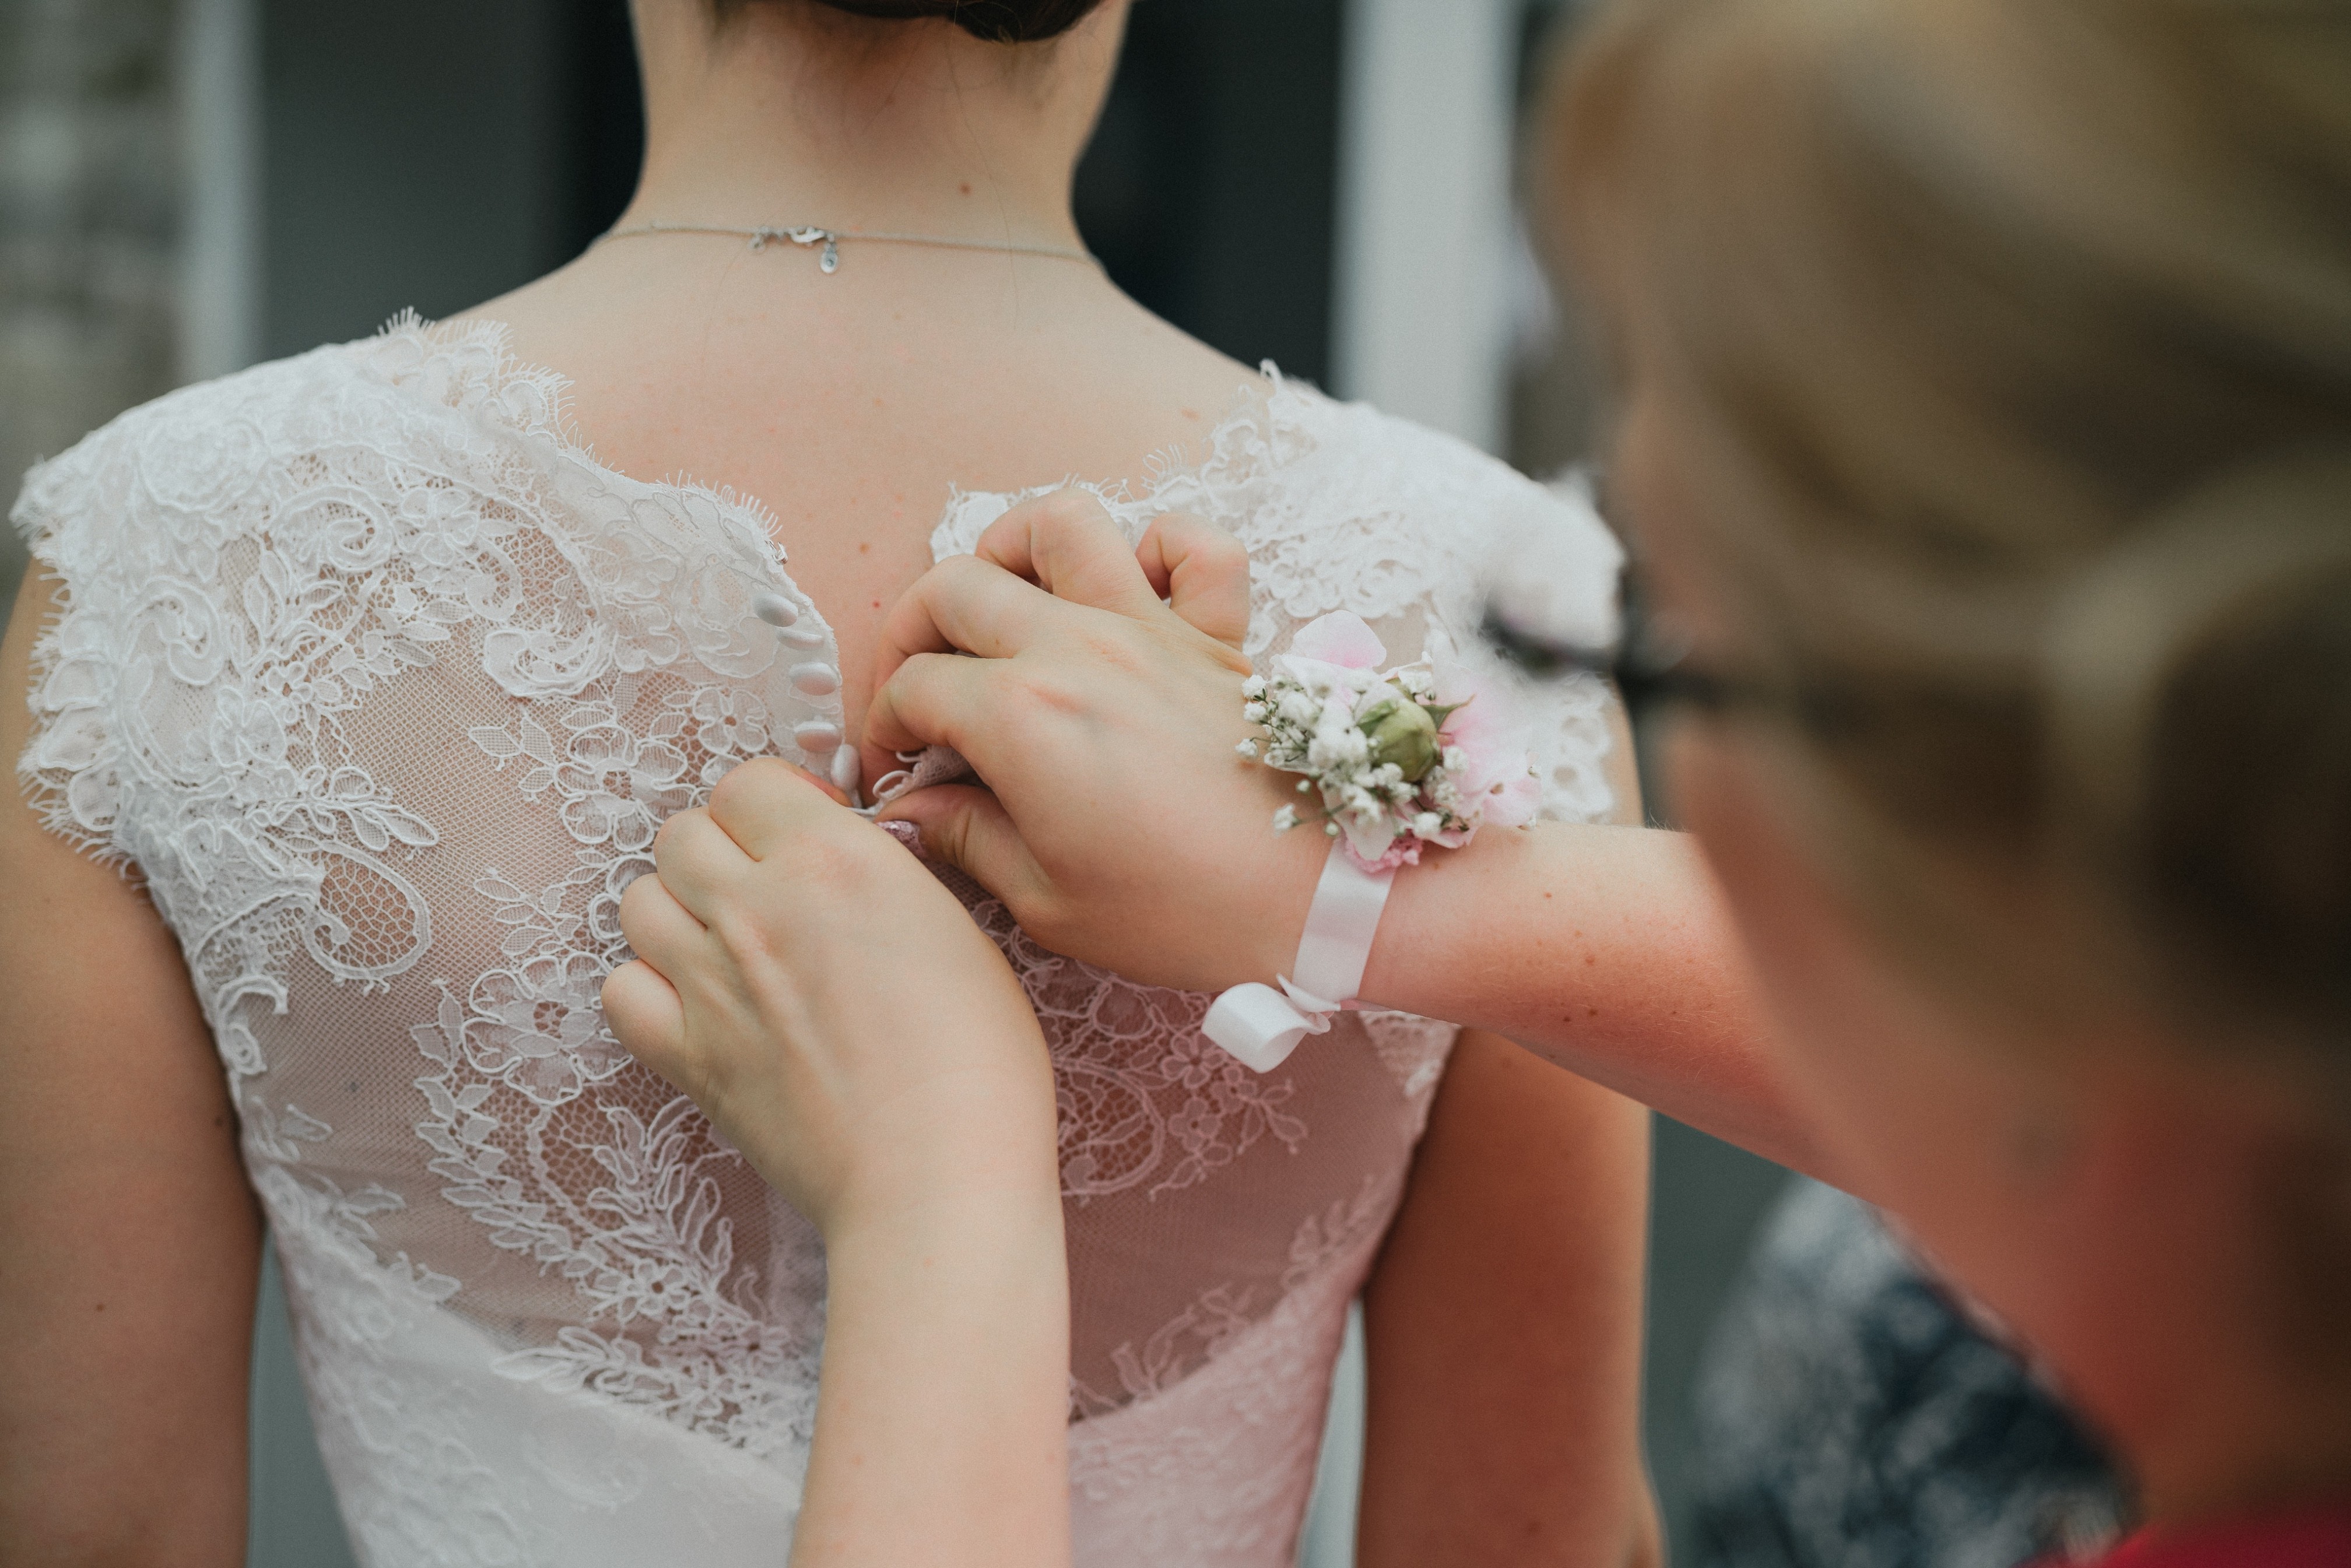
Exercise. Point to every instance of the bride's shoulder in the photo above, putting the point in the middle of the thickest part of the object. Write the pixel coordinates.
(1366, 505)
(205, 428)
(1293, 451)
(203, 462)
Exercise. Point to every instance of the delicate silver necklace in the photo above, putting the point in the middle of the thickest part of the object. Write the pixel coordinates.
(808, 237)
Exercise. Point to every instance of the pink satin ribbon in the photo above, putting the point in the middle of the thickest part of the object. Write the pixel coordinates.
(1261, 1026)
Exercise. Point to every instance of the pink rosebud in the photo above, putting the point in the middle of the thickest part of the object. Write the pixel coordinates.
(1481, 728)
(1340, 638)
(1493, 778)
(1514, 802)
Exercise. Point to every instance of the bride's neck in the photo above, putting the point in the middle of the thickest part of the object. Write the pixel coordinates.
(798, 115)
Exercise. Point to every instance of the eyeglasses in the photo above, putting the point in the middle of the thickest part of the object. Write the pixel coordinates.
(1650, 667)
(1646, 664)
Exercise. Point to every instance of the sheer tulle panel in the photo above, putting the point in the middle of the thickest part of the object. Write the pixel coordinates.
(474, 1104)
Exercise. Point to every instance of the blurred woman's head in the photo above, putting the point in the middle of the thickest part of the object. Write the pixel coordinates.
(1988, 427)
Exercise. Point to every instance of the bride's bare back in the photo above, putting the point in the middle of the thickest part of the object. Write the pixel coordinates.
(851, 404)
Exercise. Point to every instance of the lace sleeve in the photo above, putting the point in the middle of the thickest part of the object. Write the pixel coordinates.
(1575, 562)
(70, 769)
(1558, 564)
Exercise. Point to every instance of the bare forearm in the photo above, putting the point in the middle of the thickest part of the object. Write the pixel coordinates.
(1605, 950)
(942, 1417)
(1504, 1328)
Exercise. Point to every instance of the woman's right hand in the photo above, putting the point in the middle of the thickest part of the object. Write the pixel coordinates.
(1118, 825)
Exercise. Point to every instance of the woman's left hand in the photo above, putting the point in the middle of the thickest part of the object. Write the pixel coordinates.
(840, 1018)
(832, 1007)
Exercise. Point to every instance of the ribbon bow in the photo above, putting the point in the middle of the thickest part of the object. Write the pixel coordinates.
(1260, 1026)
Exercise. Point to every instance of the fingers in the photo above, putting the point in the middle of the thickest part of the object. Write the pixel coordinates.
(758, 807)
(647, 1016)
(963, 605)
(1067, 544)
(1203, 573)
(665, 932)
(968, 828)
(932, 700)
(697, 861)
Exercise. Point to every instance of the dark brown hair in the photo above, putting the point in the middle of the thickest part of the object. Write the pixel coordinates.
(995, 21)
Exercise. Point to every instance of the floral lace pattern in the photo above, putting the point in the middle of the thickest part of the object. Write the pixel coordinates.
(383, 684)
(1190, 1467)
(1144, 1097)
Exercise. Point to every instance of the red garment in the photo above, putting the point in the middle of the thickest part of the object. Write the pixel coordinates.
(2307, 1538)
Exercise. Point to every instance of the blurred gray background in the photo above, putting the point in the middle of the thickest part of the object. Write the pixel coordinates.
(187, 186)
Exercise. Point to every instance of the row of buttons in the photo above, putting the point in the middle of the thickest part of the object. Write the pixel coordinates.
(812, 679)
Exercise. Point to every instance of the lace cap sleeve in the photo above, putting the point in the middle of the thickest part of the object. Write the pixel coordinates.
(1557, 547)
(70, 769)
(1489, 533)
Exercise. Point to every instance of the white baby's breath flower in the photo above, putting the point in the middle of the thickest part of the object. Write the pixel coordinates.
(1313, 716)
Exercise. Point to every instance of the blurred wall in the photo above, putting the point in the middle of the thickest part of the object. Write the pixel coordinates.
(1209, 186)
(90, 206)
(1425, 211)
(415, 156)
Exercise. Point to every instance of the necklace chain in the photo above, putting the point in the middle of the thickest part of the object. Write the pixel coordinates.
(827, 242)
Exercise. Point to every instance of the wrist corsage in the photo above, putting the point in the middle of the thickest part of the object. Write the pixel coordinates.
(1392, 762)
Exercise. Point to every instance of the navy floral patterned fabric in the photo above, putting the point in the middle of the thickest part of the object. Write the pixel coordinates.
(1851, 1416)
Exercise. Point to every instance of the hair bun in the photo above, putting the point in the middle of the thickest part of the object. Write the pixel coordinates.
(2199, 687)
(996, 21)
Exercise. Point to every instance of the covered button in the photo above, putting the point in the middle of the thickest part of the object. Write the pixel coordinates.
(817, 736)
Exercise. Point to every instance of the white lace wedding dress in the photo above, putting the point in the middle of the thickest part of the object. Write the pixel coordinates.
(382, 684)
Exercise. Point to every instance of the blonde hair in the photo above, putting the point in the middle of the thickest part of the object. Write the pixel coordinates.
(2019, 335)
